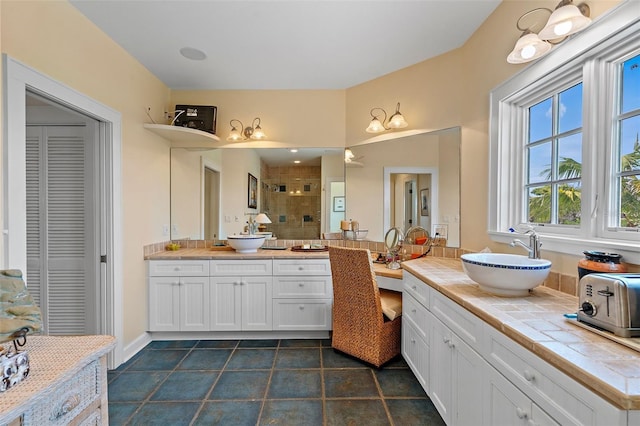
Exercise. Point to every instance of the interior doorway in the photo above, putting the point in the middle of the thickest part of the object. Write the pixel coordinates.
(211, 203)
(19, 79)
(63, 257)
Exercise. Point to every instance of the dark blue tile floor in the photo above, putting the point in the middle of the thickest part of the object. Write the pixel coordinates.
(262, 382)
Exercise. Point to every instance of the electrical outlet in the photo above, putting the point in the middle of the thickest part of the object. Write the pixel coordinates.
(165, 230)
(227, 218)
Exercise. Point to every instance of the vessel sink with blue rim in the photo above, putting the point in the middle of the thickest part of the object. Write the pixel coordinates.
(505, 274)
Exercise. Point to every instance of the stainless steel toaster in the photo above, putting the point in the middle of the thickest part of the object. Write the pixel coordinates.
(611, 302)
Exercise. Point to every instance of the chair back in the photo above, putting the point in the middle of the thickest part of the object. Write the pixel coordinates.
(356, 298)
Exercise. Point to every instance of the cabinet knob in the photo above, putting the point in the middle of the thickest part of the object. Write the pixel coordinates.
(529, 376)
(300, 268)
(521, 413)
(175, 283)
(301, 307)
(177, 268)
(414, 310)
(300, 284)
(413, 341)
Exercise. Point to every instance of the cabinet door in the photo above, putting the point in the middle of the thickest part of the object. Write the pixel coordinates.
(416, 352)
(225, 303)
(505, 404)
(194, 304)
(164, 304)
(440, 366)
(257, 305)
(467, 377)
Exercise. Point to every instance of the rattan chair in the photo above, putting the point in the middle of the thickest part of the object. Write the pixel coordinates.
(359, 326)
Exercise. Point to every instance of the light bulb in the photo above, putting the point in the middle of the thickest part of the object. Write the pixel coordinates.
(528, 52)
(562, 28)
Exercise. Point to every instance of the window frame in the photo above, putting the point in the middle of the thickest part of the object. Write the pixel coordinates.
(590, 56)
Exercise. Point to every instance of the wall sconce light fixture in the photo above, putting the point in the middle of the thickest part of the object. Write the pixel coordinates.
(567, 19)
(396, 121)
(245, 133)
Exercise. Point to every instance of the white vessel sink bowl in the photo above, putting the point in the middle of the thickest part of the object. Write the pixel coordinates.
(505, 274)
(245, 243)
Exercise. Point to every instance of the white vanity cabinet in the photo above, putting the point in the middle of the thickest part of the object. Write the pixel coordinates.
(478, 375)
(302, 294)
(179, 295)
(448, 368)
(241, 294)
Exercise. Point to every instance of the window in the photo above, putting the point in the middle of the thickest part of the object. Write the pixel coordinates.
(626, 193)
(565, 143)
(554, 157)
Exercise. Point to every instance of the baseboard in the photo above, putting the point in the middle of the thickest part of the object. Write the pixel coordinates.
(136, 346)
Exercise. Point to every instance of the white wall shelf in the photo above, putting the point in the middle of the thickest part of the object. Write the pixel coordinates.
(184, 137)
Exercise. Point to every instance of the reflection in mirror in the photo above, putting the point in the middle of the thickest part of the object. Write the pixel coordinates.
(209, 191)
(410, 181)
(393, 240)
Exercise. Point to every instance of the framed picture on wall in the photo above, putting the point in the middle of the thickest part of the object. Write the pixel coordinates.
(253, 192)
(424, 202)
(338, 204)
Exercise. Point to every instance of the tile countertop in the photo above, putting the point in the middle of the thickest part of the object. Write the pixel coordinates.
(209, 254)
(607, 368)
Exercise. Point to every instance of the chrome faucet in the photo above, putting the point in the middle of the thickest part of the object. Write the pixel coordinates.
(533, 249)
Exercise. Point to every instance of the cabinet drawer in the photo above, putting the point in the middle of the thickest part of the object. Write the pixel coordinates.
(302, 314)
(418, 289)
(182, 268)
(301, 267)
(462, 322)
(243, 268)
(302, 287)
(417, 313)
(568, 402)
(69, 400)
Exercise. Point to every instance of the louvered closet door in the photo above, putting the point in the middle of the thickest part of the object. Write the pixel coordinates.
(61, 254)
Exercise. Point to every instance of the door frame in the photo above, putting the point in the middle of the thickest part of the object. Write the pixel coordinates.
(17, 79)
(386, 191)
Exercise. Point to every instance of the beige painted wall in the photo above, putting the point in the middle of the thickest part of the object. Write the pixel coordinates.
(453, 90)
(57, 40)
(299, 118)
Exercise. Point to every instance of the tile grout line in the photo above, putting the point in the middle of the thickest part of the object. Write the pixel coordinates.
(264, 396)
(215, 382)
(155, 389)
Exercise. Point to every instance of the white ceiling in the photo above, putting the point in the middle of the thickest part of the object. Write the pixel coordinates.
(277, 44)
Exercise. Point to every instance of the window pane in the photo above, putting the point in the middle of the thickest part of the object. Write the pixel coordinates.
(540, 163)
(539, 203)
(630, 202)
(570, 109)
(570, 157)
(569, 203)
(631, 84)
(540, 121)
(630, 144)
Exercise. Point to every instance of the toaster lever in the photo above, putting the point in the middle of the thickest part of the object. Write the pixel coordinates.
(606, 293)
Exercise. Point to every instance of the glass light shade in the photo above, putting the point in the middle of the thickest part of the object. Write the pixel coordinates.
(563, 22)
(375, 126)
(348, 155)
(258, 133)
(397, 121)
(528, 48)
(234, 135)
(262, 218)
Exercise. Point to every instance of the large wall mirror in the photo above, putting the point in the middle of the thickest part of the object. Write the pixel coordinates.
(404, 182)
(414, 180)
(209, 191)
